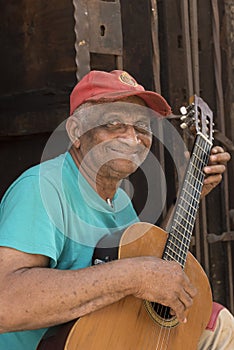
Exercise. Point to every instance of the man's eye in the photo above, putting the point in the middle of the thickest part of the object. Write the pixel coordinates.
(144, 127)
(114, 124)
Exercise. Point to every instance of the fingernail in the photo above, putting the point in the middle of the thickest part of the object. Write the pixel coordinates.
(185, 320)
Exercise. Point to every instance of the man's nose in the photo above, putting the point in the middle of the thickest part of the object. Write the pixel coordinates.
(131, 134)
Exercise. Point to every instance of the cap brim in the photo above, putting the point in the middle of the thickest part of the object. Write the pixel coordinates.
(153, 100)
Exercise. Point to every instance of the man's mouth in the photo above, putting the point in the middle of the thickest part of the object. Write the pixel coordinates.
(124, 153)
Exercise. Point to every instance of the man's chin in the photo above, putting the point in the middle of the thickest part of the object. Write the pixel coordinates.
(122, 167)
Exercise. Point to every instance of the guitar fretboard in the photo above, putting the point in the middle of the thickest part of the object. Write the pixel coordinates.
(184, 217)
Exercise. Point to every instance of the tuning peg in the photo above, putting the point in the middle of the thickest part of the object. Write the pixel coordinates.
(183, 110)
(183, 126)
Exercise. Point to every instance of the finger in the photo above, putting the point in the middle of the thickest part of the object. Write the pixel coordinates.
(221, 158)
(217, 149)
(214, 169)
(172, 312)
(186, 299)
(179, 311)
(213, 180)
(191, 291)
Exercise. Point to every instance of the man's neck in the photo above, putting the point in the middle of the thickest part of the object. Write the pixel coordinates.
(104, 186)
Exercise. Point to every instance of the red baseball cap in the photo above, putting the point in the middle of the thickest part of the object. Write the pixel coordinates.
(113, 86)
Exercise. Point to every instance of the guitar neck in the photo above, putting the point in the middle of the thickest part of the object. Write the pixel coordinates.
(186, 208)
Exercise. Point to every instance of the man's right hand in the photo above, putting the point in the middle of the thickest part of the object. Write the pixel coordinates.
(164, 282)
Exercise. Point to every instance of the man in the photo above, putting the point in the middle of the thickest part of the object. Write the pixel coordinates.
(53, 215)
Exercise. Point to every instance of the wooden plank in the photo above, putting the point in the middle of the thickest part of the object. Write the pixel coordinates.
(38, 65)
(137, 53)
(37, 38)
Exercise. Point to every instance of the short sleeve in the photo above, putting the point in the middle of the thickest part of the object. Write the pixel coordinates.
(25, 223)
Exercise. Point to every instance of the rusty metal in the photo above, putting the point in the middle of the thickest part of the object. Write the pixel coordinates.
(98, 30)
(105, 27)
(82, 38)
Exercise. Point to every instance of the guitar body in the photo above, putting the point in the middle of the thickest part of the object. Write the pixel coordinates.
(127, 325)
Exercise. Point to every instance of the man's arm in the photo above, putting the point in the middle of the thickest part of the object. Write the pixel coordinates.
(41, 297)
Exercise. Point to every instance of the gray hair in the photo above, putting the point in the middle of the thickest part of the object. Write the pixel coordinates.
(81, 111)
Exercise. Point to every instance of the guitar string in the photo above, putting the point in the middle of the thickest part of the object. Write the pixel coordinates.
(185, 229)
(163, 339)
(197, 159)
(195, 191)
(198, 163)
(189, 212)
(166, 335)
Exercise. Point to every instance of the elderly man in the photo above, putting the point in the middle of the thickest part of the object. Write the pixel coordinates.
(53, 215)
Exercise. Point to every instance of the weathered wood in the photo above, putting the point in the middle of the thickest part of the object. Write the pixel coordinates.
(37, 64)
(228, 78)
(38, 71)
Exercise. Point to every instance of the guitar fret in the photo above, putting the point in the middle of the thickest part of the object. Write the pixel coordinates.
(181, 225)
(195, 189)
(177, 246)
(199, 153)
(199, 159)
(184, 200)
(188, 212)
(199, 170)
(187, 195)
(175, 238)
(199, 182)
(178, 251)
(172, 257)
(186, 221)
(187, 205)
(200, 147)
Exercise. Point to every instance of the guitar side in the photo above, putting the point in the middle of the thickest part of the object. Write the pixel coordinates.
(126, 324)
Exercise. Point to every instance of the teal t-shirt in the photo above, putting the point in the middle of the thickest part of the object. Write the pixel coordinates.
(52, 210)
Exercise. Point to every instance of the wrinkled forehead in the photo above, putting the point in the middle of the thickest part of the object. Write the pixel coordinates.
(128, 111)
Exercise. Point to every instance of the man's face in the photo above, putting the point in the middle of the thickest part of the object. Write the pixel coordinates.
(116, 137)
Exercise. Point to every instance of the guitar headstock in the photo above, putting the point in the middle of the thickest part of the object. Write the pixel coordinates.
(198, 117)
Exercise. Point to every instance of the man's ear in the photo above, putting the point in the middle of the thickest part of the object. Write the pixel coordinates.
(72, 127)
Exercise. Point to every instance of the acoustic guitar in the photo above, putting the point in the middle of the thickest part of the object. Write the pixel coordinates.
(135, 324)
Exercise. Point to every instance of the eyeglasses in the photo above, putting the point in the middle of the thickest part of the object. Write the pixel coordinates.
(140, 127)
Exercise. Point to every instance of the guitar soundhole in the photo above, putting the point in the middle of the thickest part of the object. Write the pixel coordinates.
(162, 311)
(161, 314)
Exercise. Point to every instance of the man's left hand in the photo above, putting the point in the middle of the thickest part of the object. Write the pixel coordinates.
(215, 168)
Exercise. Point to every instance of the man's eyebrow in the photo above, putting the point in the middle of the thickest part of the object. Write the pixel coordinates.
(110, 114)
